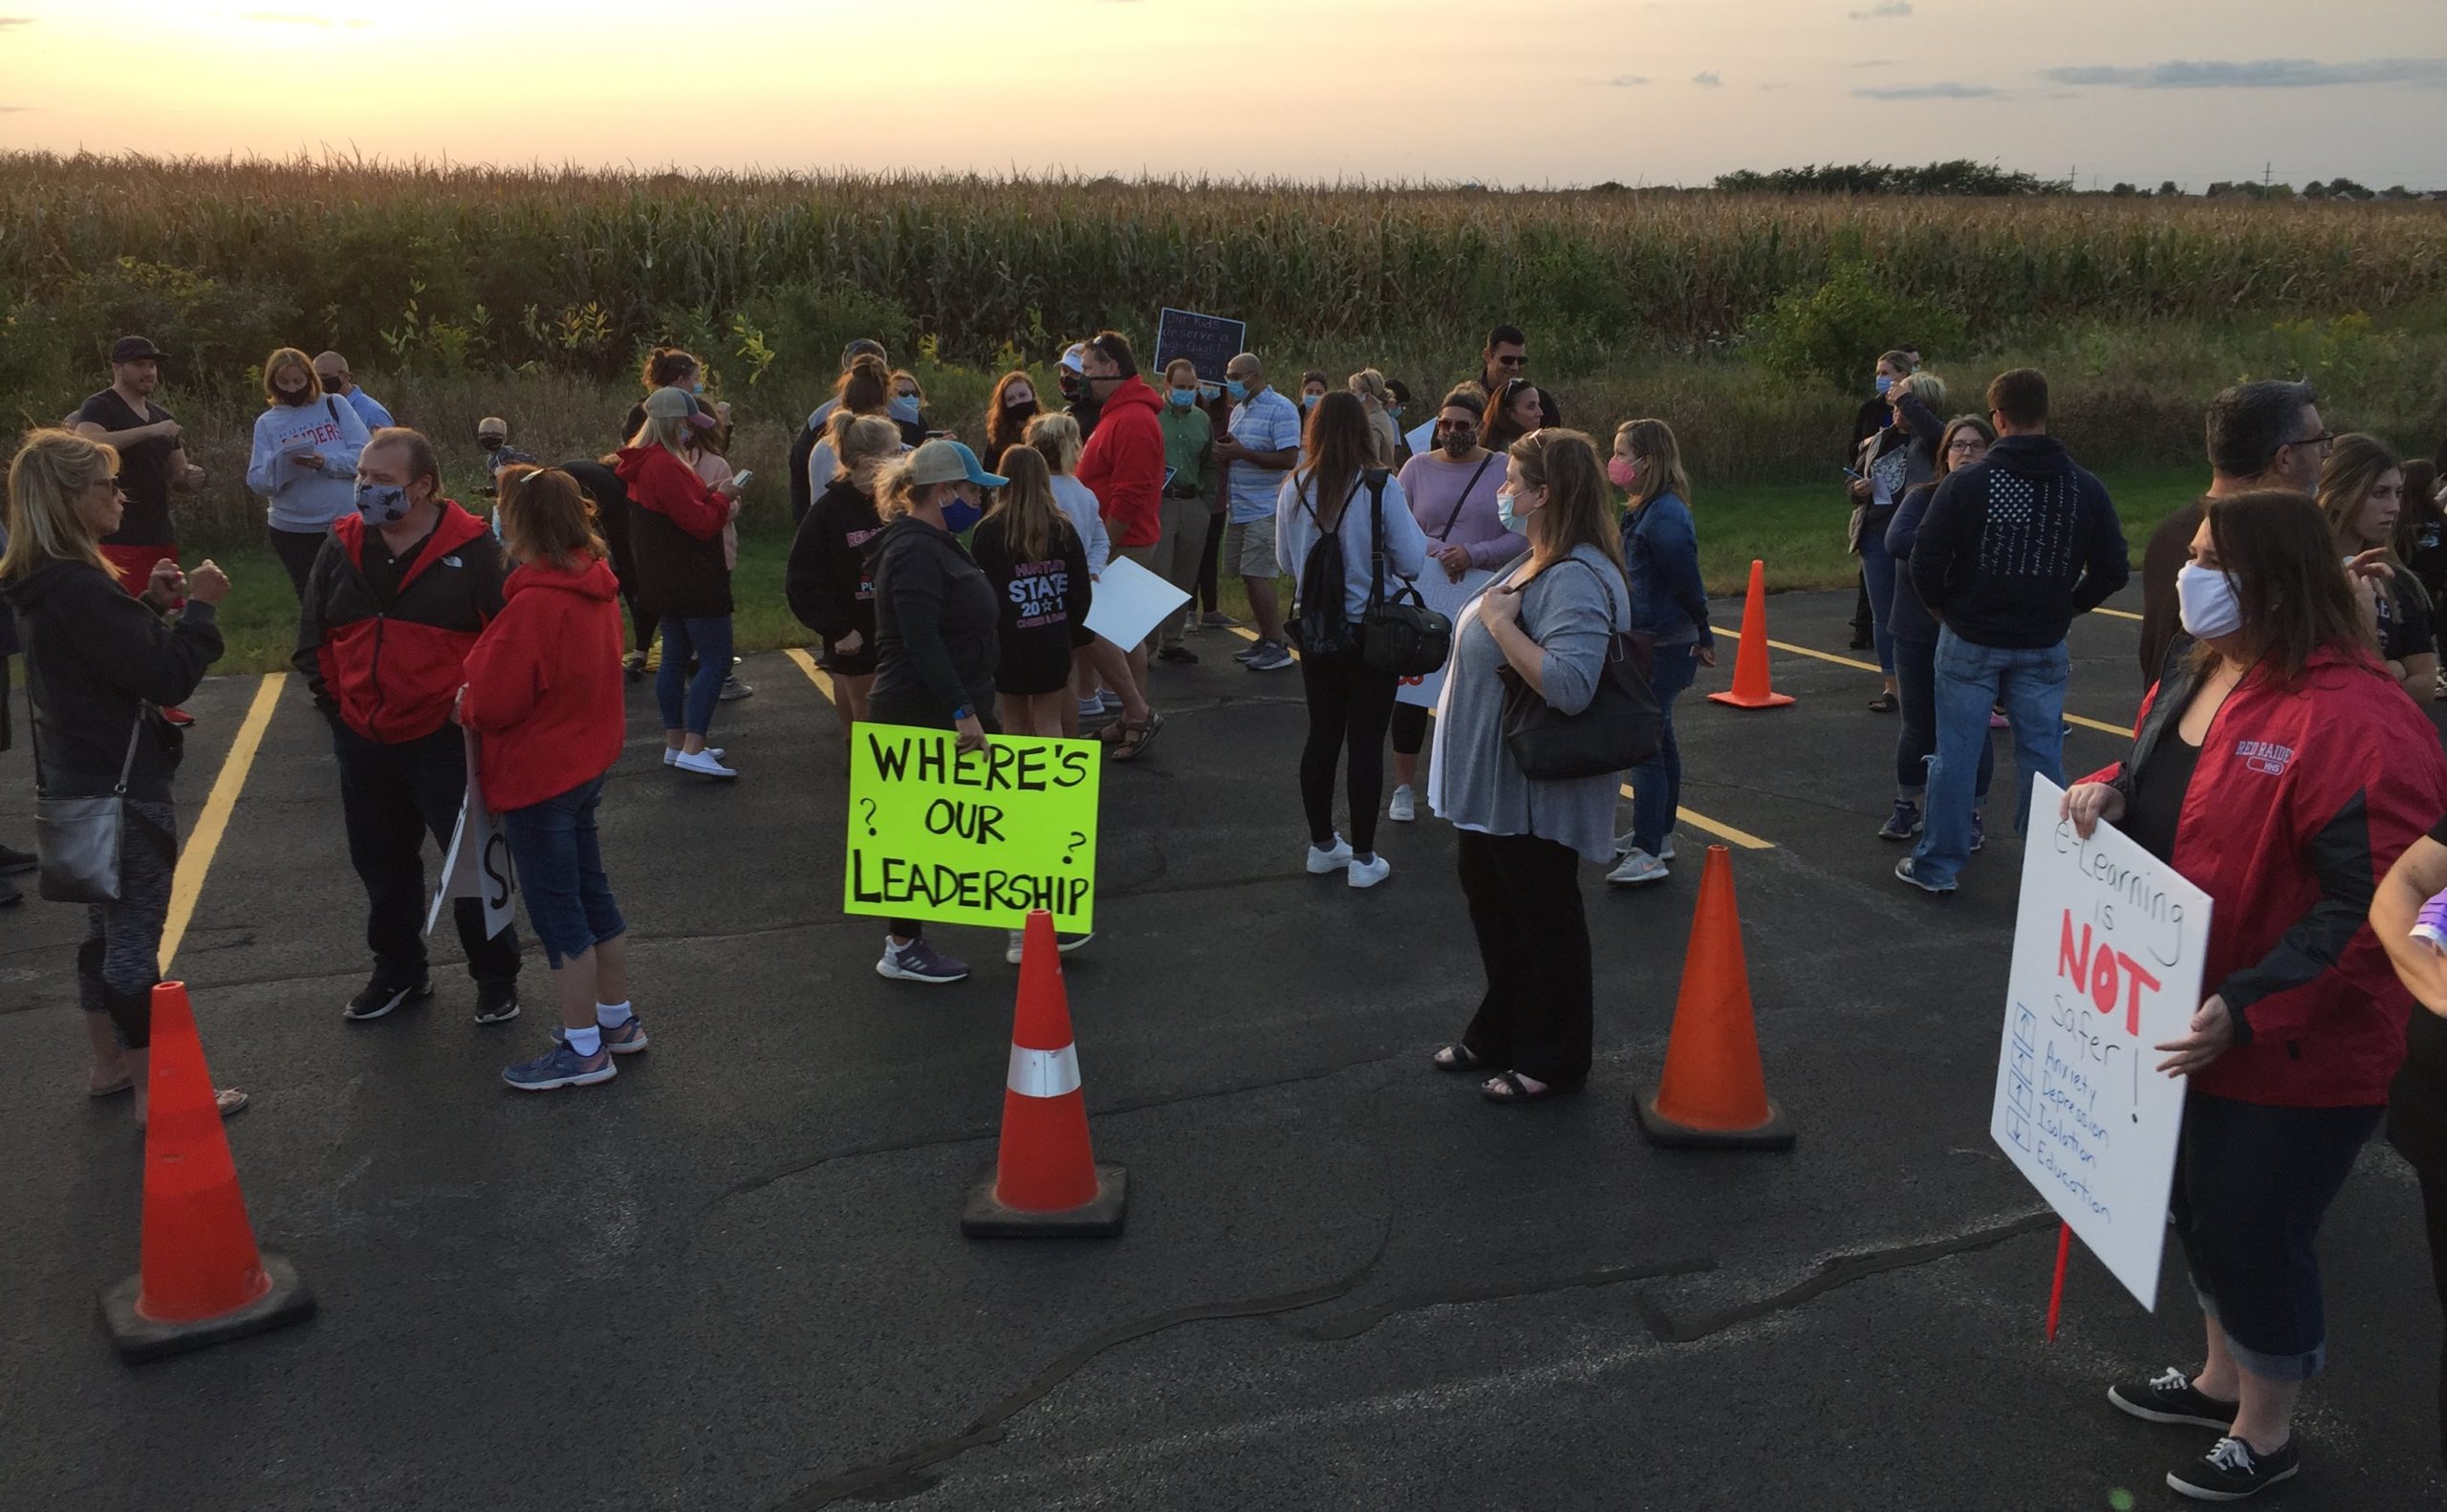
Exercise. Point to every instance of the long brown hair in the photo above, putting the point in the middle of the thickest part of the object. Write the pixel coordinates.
(1333, 454)
(1498, 430)
(1945, 441)
(668, 367)
(547, 517)
(1578, 512)
(1032, 525)
(1001, 431)
(2283, 556)
(866, 389)
(2353, 469)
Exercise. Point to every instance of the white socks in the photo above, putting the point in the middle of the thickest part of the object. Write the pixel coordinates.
(612, 1015)
(587, 1042)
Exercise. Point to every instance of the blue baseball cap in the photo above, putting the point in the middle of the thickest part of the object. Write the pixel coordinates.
(943, 461)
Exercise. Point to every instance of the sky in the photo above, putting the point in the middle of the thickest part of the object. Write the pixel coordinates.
(1541, 93)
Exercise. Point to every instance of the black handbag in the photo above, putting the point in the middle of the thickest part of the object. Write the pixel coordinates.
(77, 840)
(1401, 634)
(1621, 727)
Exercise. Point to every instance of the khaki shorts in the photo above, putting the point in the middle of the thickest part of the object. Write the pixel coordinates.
(1248, 548)
(1143, 556)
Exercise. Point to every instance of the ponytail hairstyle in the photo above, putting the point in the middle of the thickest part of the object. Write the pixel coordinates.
(855, 438)
(866, 389)
(1660, 455)
(668, 367)
(1056, 439)
(894, 492)
(547, 517)
(1369, 383)
(1033, 524)
(46, 477)
(1563, 462)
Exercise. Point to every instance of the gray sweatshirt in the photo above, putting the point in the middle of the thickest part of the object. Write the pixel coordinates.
(1571, 611)
(301, 498)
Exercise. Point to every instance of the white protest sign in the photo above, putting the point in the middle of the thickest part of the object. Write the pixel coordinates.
(1446, 597)
(477, 864)
(1423, 441)
(1130, 601)
(2108, 951)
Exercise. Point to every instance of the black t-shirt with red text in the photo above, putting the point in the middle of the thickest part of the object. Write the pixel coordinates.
(144, 469)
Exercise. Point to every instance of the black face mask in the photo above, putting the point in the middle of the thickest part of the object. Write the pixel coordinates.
(1021, 407)
(1459, 443)
(1073, 386)
(492, 443)
(334, 385)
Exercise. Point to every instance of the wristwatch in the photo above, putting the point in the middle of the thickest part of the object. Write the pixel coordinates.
(961, 713)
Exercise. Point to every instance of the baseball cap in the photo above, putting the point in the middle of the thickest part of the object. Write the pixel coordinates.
(942, 461)
(134, 349)
(670, 403)
(1076, 358)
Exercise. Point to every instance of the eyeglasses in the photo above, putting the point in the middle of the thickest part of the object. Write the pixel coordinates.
(2326, 440)
(1968, 443)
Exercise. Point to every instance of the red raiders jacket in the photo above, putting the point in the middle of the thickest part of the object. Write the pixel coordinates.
(390, 671)
(2304, 796)
(1124, 464)
(544, 684)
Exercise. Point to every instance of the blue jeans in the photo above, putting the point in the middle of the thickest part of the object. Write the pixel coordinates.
(1878, 572)
(1916, 686)
(560, 869)
(1657, 783)
(709, 640)
(1971, 680)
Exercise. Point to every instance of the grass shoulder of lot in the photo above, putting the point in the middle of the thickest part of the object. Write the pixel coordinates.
(1796, 529)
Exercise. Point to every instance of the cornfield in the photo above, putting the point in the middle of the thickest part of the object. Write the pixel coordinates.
(569, 268)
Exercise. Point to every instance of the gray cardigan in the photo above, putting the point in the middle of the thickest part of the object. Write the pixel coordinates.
(1571, 609)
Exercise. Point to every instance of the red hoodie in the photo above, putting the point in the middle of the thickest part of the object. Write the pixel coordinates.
(1124, 464)
(544, 685)
(2302, 798)
(656, 480)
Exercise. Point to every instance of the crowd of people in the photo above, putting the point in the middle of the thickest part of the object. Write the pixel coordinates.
(2282, 761)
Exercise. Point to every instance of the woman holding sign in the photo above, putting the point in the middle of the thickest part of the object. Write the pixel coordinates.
(544, 697)
(935, 637)
(2281, 770)
(1551, 623)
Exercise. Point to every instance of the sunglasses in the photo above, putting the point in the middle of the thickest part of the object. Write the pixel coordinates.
(1521, 361)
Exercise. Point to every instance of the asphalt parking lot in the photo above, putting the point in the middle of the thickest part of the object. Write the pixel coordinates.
(733, 1278)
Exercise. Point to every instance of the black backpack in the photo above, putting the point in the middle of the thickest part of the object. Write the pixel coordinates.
(1317, 626)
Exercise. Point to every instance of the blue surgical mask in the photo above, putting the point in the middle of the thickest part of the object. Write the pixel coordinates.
(1309, 400)
(1237, 389)
(381, 503)
(1505, 511)
(697, 386)
(1884, 383)
(904, 408)
(1184, 397)
(1393, 411)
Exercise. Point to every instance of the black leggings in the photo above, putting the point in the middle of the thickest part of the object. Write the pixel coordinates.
(297, 550)
(1410, 728)
(1350, 705)
(1538, 1015)
(1211, 560)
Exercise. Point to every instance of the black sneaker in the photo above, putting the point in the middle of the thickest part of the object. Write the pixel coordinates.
(496, 1002)
(1182, 654)
(12, 859)
(381, 997)
(2169, 1397)
(2233, 1471)
(9, 895)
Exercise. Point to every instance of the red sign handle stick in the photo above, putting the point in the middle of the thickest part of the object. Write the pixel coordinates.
(2056, 1293)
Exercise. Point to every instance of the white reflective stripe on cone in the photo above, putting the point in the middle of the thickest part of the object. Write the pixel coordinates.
(1045, 1073)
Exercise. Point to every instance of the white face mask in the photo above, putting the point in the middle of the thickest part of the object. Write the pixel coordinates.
(2207, 602)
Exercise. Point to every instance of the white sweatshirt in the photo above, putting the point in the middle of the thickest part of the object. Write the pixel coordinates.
(303, 498)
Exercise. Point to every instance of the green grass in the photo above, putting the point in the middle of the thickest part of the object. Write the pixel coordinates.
(1796, 529)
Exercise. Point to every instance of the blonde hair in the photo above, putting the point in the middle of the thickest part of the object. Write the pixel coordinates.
(50, 473)
(1926, 387)
(546, 516)
(1056, 439)
(899, 373)
(1653, 440)
(670, 432)
(1033, 524)
(855, 438)
(1369, 383)
(894, 494)
(280, 362)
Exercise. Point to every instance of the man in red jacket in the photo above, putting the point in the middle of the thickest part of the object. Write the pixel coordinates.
(1123, 464)
(393, 605)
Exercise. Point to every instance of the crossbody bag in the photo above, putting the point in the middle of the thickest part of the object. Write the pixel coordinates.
(76, 840)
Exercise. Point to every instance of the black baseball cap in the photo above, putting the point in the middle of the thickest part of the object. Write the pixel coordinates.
(135, 349)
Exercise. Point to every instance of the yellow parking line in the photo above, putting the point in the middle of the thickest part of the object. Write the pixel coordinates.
(2100, 726)
(2118, 731)
(186, 884)
(2116, 613)
(814, 674)
(1723, 831)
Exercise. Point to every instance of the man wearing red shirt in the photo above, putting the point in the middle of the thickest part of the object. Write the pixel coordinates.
(1124, 461)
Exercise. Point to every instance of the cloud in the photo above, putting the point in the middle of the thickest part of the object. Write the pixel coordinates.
(1877, 62)
(14, 110)
(1883, 10)
(1707, 78)
(1947, 88)
(9, 21)
(2274, 73)
(1621, 81)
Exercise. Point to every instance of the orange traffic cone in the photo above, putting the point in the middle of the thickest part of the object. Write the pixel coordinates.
(1714, 1094)
(1045, 1179)
(1750, 689)
(202, 1278)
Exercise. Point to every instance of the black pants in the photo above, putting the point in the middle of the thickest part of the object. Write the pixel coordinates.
(1863, 621)
(297, 550)
(1350, 705)
(392, 797)
(1211, 559)
(1410, 728)
(913, 928)
(1538, 1015)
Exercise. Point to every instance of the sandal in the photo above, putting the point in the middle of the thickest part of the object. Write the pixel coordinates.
(1457, 1057)
(1135, 734)
(1517, 1091)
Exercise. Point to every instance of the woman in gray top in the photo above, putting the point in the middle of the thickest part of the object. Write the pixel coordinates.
(1549, 624)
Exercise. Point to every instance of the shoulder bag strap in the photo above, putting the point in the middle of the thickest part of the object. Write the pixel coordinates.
(1446, 535)
(1373, 479)
(332, 407)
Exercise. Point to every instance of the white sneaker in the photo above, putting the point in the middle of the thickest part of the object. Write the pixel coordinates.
(1368, 873)
(1405, 805)
(1665, 852)
(671, 758)
(1626, 843)
(705, 764)
(1322, 861)
(1639, 867)
(1011, 948)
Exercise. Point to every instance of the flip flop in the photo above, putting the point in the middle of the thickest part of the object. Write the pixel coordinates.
(1516, 1090)
(1457, 1057)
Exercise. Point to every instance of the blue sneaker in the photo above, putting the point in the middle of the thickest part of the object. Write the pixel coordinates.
(1979, 830)
(561, 1067)
(1905, 822)
(628, 1038)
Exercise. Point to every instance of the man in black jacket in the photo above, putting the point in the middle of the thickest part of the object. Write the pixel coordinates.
(2012, 549)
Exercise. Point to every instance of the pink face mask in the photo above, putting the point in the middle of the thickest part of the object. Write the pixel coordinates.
(1621, 473)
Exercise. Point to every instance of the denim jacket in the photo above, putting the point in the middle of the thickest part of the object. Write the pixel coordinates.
(1662, 559)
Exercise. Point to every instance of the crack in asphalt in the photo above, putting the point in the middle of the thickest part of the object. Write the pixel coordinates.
(1837, 1272)
(1352, 1325)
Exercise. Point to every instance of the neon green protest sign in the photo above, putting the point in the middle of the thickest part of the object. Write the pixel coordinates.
(972, 837)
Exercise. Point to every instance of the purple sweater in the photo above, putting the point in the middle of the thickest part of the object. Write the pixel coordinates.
(1432, 483)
